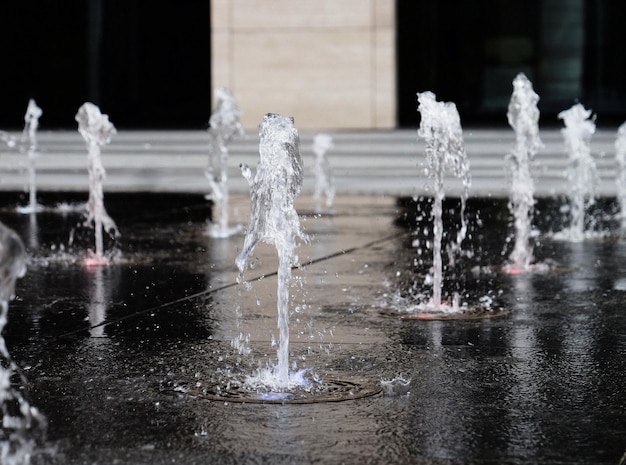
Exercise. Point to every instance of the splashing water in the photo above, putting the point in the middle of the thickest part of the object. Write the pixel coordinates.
(440, 127)
(582, 173)
(523, 117)
(395, 387)
(324, 183)
(97, 131)
(22, 427)
(31, 119)
(7, 139)
(273, 218)
(223, 126)
(620, 157)
(264, 380)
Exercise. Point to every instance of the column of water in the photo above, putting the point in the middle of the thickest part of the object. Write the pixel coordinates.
(223, 126)
(523, 117)
(440, 128)
(324, 183)
(620, 157)
(31, 119)
(273, 218)
(581, 173)
(97, 131)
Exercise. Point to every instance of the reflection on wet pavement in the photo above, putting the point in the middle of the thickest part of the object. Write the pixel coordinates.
(110, 352)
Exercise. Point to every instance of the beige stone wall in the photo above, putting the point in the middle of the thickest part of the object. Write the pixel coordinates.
(328, 63)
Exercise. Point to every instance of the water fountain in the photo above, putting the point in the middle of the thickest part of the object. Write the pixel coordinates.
(274, 187)
(440, 127)
(582, 174)
(31, 118)
(97, 131)
(22, 426)
(523, 117)
(223, 126)
(324, 183)
(620, 158)
(108, 394)
(274, 220)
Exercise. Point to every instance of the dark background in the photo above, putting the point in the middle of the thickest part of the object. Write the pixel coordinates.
(469, 51)
(147, 62)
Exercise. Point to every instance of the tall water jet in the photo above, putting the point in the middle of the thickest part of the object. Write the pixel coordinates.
(223, 126)
(22, 426)
(581, 174)
(523, 117)
(97, 131)
(620, 157)
(440, 127)
(31, 119)
(324, 183)
(274, 220)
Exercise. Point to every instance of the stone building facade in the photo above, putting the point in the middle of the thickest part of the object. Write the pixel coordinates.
(327, 63)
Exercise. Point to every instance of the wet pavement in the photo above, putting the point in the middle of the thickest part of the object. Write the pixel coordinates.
(111, 353)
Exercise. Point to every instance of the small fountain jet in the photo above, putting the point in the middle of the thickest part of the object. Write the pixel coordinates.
(523, 117)
(31, 119)
(97, 131)
(223, 126)
(620, 157)
(273, 218)
(324, 184)
(582, 173)
(440, 127)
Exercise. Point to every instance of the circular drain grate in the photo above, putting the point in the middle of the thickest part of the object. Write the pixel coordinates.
(333, 390)
(470, 314)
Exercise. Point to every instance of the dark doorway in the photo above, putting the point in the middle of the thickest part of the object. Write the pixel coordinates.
(155, 62)
(439, 46)
(44, 57)
(145, 63)
(467, 52)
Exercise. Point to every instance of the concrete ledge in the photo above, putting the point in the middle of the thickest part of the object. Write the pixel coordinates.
(363, 162)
